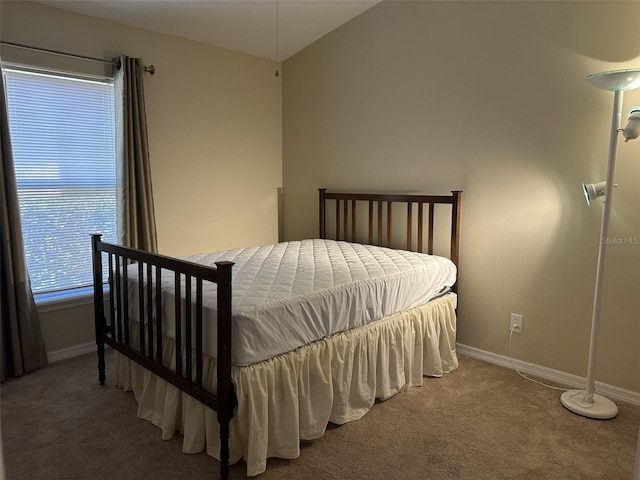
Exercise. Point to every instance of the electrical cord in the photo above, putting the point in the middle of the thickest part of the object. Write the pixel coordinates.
(523, 375)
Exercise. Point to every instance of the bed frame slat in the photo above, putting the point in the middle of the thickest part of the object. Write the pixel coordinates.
(337, 216)
(125, 307)
(149, 290)
(143, 343)
(118, 283)
(199, 373)
(430, 233)
(158, 312)
(322, 235)
(354, 220)
(379, 223)
(420, 226)
(178, 324)
(346, 218)
(389, 224)
(112, 304)
(188, 333)
(409, 224)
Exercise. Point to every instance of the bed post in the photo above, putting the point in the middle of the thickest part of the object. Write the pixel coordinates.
(322, 209)
(455, 229)
(98, 304)
(226, 394)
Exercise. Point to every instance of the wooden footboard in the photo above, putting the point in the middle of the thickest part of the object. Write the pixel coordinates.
(113, 327)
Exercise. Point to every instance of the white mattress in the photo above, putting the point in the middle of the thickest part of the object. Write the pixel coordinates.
(294, 293)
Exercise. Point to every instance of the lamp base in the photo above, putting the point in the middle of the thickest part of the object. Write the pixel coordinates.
(601, 408)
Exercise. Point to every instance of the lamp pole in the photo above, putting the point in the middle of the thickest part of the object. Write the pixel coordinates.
(602, 249)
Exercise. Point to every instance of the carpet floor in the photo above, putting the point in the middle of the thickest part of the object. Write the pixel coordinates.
(479, 422)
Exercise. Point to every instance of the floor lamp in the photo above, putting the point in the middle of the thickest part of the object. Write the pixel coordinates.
(587, 402)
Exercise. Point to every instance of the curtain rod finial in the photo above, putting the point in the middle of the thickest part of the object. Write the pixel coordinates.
(150, 69)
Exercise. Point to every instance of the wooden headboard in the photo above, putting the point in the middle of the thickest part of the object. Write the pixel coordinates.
(379, 218)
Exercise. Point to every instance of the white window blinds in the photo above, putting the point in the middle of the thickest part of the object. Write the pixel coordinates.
(63, 141)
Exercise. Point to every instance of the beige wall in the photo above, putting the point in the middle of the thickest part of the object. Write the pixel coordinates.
(413, 96)
(214, 119)
(490, 98)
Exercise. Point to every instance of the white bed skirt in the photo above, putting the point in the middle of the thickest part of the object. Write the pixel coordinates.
(294, 396)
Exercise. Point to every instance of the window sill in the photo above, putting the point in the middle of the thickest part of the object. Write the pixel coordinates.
(49, 302)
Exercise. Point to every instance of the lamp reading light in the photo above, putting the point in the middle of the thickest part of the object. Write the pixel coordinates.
(632, 130)
(593, 190)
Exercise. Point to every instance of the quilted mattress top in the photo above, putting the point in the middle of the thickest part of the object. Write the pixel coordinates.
(293, 293)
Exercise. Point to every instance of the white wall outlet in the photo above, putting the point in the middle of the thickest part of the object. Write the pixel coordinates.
(515, 323)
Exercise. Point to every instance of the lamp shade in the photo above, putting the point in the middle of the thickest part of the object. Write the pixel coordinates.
(616, 80)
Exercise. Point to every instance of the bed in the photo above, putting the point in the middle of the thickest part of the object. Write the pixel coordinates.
(265, 346)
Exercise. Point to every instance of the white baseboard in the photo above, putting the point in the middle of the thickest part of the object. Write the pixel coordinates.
(71, 352)
(549, 374)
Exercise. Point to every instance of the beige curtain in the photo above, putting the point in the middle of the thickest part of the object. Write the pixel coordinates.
(22, 348)
(136, 217)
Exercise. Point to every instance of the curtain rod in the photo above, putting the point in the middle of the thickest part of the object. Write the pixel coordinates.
(149, 69)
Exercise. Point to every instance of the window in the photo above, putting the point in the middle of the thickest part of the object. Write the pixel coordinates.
(63, 140)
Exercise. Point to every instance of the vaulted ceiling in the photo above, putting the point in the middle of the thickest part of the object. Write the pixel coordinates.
(274, 29)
